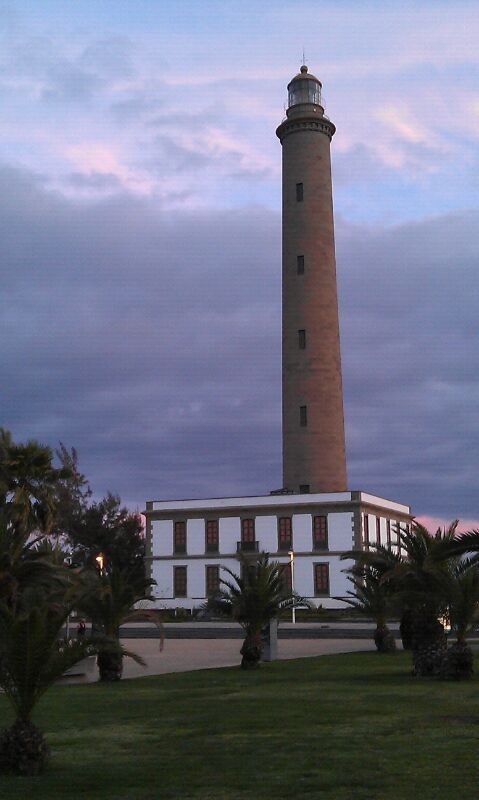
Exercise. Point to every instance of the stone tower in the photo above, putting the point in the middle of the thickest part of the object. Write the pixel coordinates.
(314, 458)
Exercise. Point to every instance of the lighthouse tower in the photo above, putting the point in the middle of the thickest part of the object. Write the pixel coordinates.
(314, 458)
(316, 521)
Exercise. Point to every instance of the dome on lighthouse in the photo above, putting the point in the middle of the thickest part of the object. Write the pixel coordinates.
(304, 88)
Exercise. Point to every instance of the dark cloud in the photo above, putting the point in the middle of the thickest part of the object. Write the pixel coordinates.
(359, 164)
(65, 76)
(411, 361)
(93, 180)
(171, 157)
(150, 340)
(112, 57)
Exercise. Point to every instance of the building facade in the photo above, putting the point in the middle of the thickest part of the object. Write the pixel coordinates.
(190, 540)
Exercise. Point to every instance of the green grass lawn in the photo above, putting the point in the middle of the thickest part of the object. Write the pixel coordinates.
(347, 727)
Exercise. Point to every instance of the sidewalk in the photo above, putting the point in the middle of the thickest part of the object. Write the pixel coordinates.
(184, 655)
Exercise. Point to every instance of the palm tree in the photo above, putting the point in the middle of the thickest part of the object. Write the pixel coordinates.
(422, 578)
(373, 598)
(253, 600)
(463, 615)
(28, 484)
(32, 658)
(418, 575)
(25, 562)
(109, 600)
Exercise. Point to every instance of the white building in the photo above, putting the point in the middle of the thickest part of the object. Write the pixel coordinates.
(190, 540)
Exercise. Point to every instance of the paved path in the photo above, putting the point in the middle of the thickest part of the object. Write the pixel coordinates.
(184, 655)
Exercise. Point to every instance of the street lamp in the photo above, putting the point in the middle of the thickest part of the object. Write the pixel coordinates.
(291, 561)
(99, 561)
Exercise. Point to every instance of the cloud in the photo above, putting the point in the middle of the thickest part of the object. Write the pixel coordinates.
(169, 122)
(433, 523)
(94, 180)
(100, 158)
(141, 234)
(150, 340)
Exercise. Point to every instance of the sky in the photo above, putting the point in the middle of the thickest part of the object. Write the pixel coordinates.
(140, 239)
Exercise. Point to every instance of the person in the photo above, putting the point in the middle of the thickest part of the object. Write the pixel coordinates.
(81, 630)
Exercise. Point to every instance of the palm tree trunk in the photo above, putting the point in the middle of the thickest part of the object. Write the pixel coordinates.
(384, 639)
(110, 663)
(429, 643)
(458, 662)
(405, 628)
(251, 651)
(23, 749)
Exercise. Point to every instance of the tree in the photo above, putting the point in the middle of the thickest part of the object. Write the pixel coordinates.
(112, 592)
(253, 600)
(108, 543)
(463, 614)
(111, 530)
(32, 658)
(422, 578)
(24, 563)
(73, 493)
(463, 610)
(374, 598)
(419, 578)
(28, 484)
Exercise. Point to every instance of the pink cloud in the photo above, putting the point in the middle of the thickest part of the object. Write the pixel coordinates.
(433, 523)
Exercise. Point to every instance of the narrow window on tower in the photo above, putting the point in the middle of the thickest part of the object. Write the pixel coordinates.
(299, 192)
(300, 264)
(302, 340)
(303, 416)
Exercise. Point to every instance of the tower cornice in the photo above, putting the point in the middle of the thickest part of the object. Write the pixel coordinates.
(320, 125)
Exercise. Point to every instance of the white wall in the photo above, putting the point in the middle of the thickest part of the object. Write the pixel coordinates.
(341, 531)
(196, 580)
(302, 532)
(195, 537)
(162, 537)
(340, 538)
(215, 504)
(230, 534)
(338, 581)
(266, 531)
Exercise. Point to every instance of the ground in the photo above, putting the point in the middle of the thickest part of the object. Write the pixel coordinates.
(344, 727)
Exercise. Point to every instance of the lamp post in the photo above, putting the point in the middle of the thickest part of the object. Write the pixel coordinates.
(99, 561)
(291, 561)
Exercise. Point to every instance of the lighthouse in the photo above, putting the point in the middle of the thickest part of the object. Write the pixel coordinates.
(309, 524)
(314, 457)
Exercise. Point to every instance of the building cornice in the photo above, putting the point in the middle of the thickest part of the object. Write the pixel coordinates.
(319, 125)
